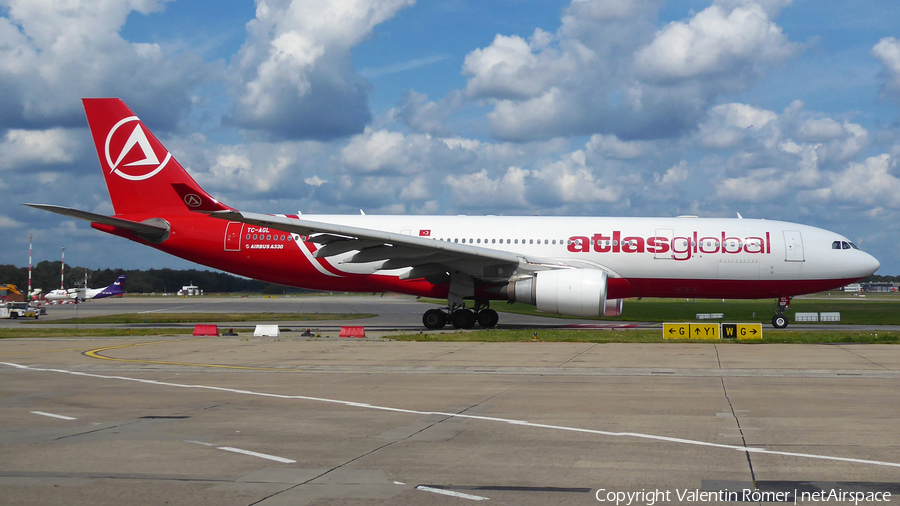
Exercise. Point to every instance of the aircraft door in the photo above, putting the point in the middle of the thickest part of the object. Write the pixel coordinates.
(667, 234)
(233, 233)
(793, 246)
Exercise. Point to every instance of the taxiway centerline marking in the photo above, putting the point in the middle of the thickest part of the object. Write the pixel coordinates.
(636, 435)
(51, 415)
(452, 493)
(276, 458)
(257, 454)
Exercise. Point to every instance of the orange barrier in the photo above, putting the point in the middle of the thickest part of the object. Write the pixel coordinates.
(352, 332)
(206, 330)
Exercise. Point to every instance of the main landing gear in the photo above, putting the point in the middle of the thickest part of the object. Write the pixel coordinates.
(780, 321)
(461, 317)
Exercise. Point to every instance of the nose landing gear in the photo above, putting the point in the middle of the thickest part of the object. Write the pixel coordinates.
(780, 321)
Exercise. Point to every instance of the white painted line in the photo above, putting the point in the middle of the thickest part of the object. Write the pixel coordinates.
(179, 307)
(199, 443)
(452, 493)
(399, 483)
(51, 415)
(637, 435)
(257, 454)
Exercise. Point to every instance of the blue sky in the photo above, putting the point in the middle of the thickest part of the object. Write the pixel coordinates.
(776, 109)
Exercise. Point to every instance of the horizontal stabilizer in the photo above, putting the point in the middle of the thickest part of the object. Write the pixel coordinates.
(145, 230)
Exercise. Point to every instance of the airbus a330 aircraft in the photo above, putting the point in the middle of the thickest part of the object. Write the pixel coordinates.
(579, 266)
(84, 294)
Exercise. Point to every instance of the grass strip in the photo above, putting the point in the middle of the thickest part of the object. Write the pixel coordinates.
(204, 318)
(854, 310)
(23, 332)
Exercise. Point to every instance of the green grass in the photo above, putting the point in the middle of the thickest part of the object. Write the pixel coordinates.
(20, 332)
(137, 318)
(854, 311)
(646, 336)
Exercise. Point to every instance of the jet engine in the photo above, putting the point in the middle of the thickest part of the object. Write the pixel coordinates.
(614, 307)
(571, 292)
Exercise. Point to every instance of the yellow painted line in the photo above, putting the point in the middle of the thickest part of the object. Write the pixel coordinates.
(40, 351)
(96, 354)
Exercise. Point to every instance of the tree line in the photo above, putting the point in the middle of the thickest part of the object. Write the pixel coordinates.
(45, 275)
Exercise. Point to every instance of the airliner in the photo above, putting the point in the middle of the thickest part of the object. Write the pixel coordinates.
(578, 266)
(83, 294)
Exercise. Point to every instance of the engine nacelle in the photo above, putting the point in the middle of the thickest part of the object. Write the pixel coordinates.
(570, 292)
(614, 307)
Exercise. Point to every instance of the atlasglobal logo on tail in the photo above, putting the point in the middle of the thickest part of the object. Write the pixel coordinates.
(135, 158)
(680, 248)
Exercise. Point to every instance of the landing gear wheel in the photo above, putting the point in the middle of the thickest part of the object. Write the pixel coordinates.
(463, 318)
(14, 316)
(779, 321)
(488, 318)
(434, 319)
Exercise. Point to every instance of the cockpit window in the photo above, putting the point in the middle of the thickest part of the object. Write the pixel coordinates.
(843, 245)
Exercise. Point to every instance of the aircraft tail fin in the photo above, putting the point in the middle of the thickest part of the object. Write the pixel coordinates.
(117, 287)
(140, 172)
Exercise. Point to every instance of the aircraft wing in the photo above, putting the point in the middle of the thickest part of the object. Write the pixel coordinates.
(427, 257)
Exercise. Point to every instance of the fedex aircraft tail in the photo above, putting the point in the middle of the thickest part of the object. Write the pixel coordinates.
(141, 175)
(110, 291)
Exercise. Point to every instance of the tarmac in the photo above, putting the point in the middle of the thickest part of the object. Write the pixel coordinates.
(278, 421)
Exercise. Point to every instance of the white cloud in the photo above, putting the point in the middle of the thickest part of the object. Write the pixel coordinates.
(607, 70)
(676, 174)
(294, 75)
(870, 182)
(7, 222)
(53, 53)
(610, 146)
(478, 190)
(728, 125)
(715, 42)
(509, 69)
(315, 181)
(38, 147)
(888, 51)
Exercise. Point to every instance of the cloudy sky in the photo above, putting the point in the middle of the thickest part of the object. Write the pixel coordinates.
(774, 109)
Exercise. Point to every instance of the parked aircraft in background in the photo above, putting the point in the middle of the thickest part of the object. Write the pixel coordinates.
(84, 294)
(580, 266)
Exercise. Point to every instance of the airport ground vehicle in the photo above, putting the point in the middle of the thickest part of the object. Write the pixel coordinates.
(15, 310)
(579, 266)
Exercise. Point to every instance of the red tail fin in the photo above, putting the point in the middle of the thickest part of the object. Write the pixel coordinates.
(138, 169)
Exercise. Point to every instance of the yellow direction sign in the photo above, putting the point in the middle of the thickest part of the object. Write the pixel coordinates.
(676, 330)
(691, 330)
(704, 331)
(742, 330)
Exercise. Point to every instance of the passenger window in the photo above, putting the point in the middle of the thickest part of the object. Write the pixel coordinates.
(530, 241)
(493, 241)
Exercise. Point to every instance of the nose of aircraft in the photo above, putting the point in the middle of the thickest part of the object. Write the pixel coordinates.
(870, 264)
